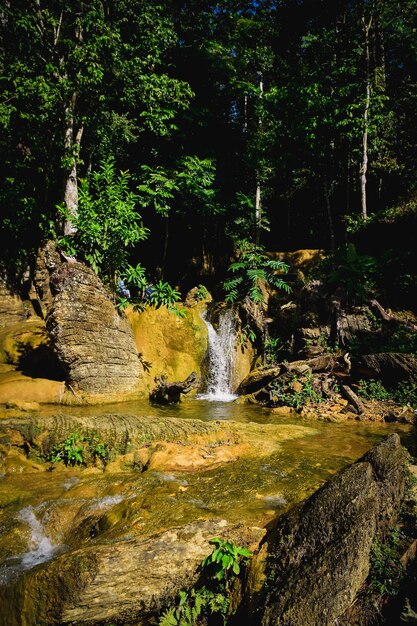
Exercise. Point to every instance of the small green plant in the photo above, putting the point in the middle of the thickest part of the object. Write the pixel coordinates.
(406, 394)
(77, 449)
(219, 568)
(226, 556)
(247, 335)
(252, 270)
(98, 450)
(373, 390)
(201, 293)
(162, 294)
(296, 392)
(194, 604)
(70, 451)
(401, 340)
(273, 348)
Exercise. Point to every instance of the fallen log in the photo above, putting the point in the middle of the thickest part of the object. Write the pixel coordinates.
(351, 396)
(170, 393)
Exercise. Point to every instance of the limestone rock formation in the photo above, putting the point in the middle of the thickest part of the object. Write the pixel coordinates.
(12, 309)
(93, 341)
(122, 582)
(258, 379)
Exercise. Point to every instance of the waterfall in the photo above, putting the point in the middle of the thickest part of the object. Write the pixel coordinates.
(221, 355)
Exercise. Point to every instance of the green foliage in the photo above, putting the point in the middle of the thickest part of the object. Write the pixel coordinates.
(189, 185)
(296, 392)
(323, 340)
(401, 340)
(373, 390)
(194, 604)
(273, 349)
(219, 568)
(202, 292)
(70, 451)
(252, 270)
(354, 272)
(77, 449)
(386, 571)
(406, 394)
(108, 224)
(247, 335)
(225, 556)
(162, 294)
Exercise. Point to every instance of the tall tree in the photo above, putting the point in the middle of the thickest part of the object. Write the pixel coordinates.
(82, 77)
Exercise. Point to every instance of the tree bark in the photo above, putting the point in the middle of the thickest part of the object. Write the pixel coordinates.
(364, 165)
(329, 217)
(258, 199)
(72, 143)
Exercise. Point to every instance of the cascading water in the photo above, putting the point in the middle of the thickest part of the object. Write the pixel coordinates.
(221, 355)
(41, 548)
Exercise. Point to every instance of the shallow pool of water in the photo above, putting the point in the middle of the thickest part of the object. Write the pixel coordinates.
(46, 512)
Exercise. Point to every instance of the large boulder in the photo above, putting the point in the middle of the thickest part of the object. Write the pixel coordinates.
(318, 556)
(93, 341)
(169, 343)
(258, 379)
(12, 309)
(388, 367)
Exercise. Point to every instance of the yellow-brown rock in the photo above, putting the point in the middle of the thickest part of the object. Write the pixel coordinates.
(18, 339)
(16, 388)
(168, 343)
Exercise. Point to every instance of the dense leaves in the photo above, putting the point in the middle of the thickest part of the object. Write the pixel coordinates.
(287, 124)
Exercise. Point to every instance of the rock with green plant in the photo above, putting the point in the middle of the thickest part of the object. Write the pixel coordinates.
(212, 598)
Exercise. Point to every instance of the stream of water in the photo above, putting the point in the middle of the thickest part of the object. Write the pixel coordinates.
(43, 513)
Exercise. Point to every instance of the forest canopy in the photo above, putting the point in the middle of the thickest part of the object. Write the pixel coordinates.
(287, 123)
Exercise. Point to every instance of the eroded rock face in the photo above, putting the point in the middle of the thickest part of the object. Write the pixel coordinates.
(318, 555)
(12, 308)
(123, 582)
(93, 342)
(389, 367)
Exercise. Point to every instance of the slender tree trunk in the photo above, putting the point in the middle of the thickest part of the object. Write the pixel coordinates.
(165, 249)
(258, 209)
(364, 165)
(258, 196)
(329, 216)
(72, 143)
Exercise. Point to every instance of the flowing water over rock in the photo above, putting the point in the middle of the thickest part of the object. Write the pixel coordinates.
(90, 512)
(221, 353)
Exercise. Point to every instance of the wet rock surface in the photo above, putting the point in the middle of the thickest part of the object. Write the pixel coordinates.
(126, 581)
(318, 554)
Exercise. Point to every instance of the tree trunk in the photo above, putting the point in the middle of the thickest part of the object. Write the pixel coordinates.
(364, 165)
(258, 208)
(329, 217)
(258, 200)
(72, 142)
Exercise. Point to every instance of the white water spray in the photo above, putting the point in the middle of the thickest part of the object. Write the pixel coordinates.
(221, 356)
(41, 548)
